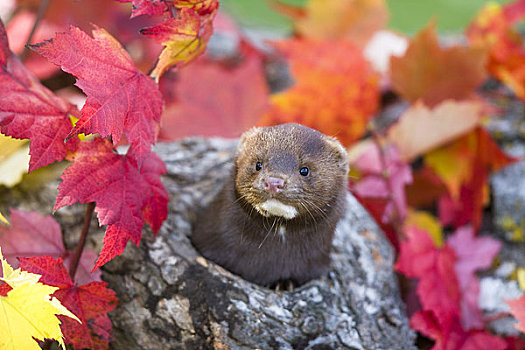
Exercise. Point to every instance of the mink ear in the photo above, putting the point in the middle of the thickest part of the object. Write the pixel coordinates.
(340, 152)
(242, 142)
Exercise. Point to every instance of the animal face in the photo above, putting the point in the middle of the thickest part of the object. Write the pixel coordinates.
(289, 171)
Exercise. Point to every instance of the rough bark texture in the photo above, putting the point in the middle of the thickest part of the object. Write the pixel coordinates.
(508, 211)
(172, 298)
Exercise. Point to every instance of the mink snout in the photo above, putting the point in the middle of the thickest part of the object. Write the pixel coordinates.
(273, 185)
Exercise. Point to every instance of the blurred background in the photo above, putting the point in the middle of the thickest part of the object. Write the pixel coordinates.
(405, 15)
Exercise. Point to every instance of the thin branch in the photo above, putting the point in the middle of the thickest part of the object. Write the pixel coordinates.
(497, 316)
(40, 14)
(82, 241)
(396, 221)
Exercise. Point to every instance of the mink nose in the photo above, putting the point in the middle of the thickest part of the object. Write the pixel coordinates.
(273, 184)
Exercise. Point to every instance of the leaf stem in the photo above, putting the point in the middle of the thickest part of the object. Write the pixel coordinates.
(171, 8)
(396, 216)
(82, 241)
(40, 14)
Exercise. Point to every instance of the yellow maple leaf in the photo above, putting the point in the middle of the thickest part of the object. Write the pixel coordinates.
(14, 160)
(184, 37)
(28, 311)
(453, 162)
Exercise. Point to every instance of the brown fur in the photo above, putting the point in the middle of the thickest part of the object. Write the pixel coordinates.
(234, 234)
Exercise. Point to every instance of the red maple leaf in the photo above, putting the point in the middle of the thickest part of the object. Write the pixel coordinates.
(126, 196)
(147, 7)
(438, 288)
(120, 99)
(473, 253)
(214, 100)
(90, 303)
(4, 289)
(454, 336)
(30, 111)
(31, 234)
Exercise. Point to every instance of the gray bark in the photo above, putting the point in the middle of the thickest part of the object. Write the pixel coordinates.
(172, 298)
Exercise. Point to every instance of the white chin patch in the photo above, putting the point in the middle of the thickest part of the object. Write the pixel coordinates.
(273, 207)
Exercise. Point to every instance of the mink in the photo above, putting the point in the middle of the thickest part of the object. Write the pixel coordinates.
(274, 220)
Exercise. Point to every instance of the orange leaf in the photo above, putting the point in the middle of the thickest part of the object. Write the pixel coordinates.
(421, 129)
(454, 162)
(356, 20)
(435, 74)
(335, 90)
(492, 29)
(464, 166)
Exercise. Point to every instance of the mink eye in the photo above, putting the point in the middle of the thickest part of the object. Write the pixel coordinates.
(304, 171)
(258, 166)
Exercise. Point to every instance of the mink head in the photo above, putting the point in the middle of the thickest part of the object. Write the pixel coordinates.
(289, 171)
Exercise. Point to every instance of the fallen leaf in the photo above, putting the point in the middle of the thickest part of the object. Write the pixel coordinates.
(427, 222)
(454, 336)
(126, 196)
(514, 11)
(517, 308)
(32, 234)
(464, 166)
(355, 20)
(434, 74)
(120, 99)
(28, 110)
(213, 100)
(438, 288)
(421, 129)
(90, 302)
(335, 90)
(472, 253)
(492, 29)
(28, 311)
(426, 188)
(3, 219)
(384, 175)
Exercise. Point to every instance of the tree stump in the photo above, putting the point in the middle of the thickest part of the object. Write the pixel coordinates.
(173, 298)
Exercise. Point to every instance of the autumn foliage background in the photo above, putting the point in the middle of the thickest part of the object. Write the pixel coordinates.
(410, 109)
